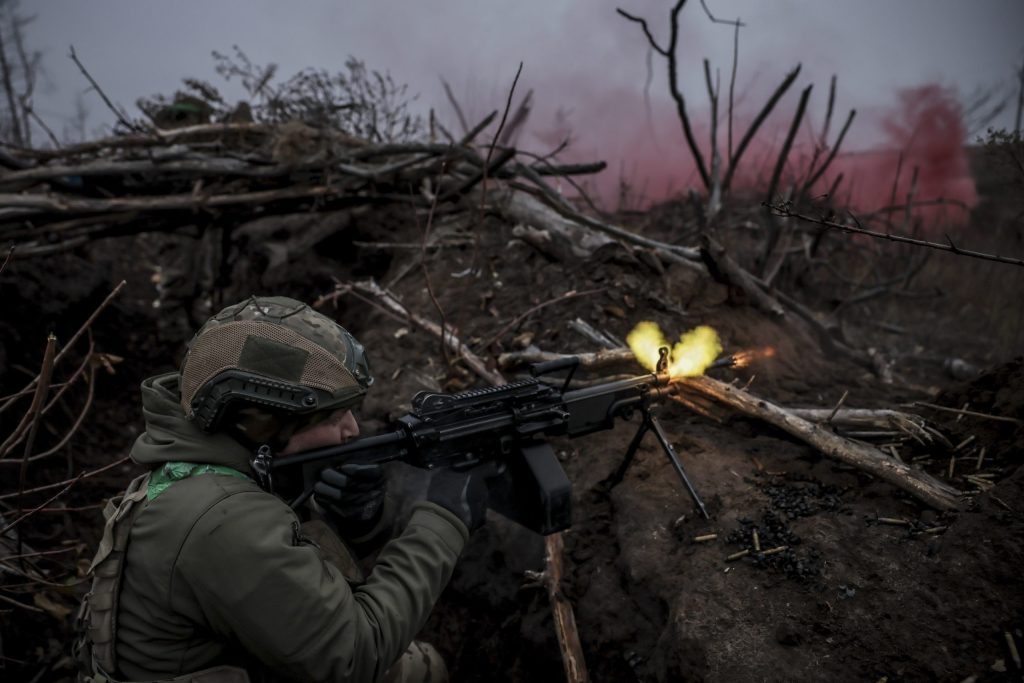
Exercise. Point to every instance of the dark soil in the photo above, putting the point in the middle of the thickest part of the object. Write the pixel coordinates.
(849, 599)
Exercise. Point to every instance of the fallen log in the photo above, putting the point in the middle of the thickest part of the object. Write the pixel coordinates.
(863, 417)
(917, 483)
(723, 268)
(565, 621)
(584, 232)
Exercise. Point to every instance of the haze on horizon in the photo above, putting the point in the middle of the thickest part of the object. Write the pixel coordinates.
(580, 58)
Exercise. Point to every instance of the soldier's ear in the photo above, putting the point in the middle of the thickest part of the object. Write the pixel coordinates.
(255, 426)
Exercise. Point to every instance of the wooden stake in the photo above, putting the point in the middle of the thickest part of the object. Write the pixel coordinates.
(565, 620)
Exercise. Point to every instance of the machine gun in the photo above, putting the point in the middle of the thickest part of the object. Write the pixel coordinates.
(504, 427)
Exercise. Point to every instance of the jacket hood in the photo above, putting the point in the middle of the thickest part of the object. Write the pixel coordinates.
(170, 436)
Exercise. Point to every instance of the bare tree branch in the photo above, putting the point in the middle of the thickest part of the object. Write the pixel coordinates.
(780, 163)
(669, 54)
(832, 153)
(99, 91)
(7, 77)
(756, 124)
(783, 210)
(455, 105)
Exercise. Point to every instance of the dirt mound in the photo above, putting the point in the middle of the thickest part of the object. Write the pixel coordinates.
(848, 597)
(999, 392)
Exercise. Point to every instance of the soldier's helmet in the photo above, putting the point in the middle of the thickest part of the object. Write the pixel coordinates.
(272, 357)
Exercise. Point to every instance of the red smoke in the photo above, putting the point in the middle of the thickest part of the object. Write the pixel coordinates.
(924, 134)
(923, 130)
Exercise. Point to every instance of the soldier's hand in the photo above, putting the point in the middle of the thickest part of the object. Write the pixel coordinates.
(353, 494)
(464, 494)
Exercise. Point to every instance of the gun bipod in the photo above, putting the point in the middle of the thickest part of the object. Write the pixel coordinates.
(650, 422)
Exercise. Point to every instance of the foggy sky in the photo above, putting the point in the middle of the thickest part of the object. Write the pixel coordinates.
(578, 54)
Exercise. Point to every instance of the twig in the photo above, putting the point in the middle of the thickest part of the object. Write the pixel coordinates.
(86, 475)
(391, 302)
(731, 22)
(518, 319)
(19, 432)
(73, 429)
(938, 201)
(783, 210)
(22, 605)
(42, 124)
(501, 126)
(732, 78)
(10, 255)
(74, 338)
(455, 105)
(423, 263)
(42, 388)
(99, 91)
(478, 128)
(76, 508)
(973, 414)
(41, 553)
(839, 404)
(518, 118)
(40, 507)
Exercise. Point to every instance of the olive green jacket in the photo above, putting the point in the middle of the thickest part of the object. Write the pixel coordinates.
(218, 572)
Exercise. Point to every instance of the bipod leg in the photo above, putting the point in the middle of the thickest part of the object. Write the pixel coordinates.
(616, 478)
(655, 426)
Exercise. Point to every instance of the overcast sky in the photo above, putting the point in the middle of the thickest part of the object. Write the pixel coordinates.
(578, 55)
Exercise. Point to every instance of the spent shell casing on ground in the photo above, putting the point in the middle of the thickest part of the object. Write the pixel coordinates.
(1012, 644)
(736, 556)
(756, 539)
(894, 521)
(773, 551)
(705, 538)
(963, 444)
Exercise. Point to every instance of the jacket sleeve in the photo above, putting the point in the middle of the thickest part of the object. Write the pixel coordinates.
(259, 584)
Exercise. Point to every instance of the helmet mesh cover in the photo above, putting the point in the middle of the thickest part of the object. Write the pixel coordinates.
(220, 348)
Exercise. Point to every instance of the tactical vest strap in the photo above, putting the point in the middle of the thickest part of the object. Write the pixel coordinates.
(98, 615)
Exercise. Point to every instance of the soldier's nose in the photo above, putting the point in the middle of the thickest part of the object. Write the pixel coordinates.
(348, 428)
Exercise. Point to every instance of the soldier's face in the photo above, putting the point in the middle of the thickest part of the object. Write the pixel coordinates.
(336, 429)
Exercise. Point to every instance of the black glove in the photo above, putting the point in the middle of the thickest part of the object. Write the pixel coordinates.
(353, 494)
(464, 494)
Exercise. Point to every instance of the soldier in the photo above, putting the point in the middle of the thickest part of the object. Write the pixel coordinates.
(202, 575)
